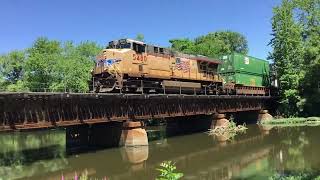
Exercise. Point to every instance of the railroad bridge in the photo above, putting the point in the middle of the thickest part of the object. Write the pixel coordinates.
(47, 110)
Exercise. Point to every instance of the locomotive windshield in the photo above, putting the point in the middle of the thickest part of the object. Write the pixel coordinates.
(119, 44)
(137, 46)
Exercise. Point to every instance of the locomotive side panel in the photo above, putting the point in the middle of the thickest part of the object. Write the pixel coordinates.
(194, 70)
(159, 67)
(181, 68)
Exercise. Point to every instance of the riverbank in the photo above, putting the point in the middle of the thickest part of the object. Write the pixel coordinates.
(309, 121)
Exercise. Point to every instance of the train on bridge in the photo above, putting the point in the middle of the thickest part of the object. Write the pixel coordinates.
(130, 66)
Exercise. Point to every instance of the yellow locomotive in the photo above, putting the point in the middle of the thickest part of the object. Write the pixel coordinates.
(128, 65)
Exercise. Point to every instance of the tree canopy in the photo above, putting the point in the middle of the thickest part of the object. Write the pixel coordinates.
(49, 65)
(140, 37)
(213, 44)
(296, 54)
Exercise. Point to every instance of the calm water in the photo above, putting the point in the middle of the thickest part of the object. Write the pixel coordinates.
(256, 154)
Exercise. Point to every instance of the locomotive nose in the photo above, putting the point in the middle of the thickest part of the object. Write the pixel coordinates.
(100, 65)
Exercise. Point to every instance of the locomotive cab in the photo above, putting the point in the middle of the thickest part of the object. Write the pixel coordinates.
(137, 46)
(114, 53)
(111, 62)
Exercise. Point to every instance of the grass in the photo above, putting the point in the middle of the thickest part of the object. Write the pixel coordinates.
(301, 176)
(309, 121)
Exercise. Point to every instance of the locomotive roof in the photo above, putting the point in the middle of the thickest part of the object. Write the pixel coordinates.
(199, 58)
(136, 41)
(178, 54)
(206, 59)
(189, 56)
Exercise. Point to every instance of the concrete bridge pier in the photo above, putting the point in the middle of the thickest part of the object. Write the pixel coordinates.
(219, 120)
(264, 116)
(133, 134)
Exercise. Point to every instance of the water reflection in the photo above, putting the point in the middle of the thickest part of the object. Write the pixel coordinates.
(265, 129)
(258, 154)
(26, 154)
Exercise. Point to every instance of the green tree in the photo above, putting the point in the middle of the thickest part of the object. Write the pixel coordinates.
(56, 66)
(287, 55)
(42, 57)
(2, 77)
(11, 71)
(140, 37)
(72, 70)
(213, 44)
(295, 43)
(183, 45)
(309, 17)
(49, 65)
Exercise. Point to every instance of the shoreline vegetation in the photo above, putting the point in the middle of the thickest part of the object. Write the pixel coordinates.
(298, 121)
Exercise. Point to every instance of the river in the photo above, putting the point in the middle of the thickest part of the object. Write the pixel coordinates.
(257, 154)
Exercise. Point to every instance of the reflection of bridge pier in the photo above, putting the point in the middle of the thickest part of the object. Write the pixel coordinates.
(265, 129)
(137, 156)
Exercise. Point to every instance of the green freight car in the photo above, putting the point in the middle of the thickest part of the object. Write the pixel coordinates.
(244, 70)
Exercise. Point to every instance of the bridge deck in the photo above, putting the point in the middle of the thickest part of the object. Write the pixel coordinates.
(40, 110)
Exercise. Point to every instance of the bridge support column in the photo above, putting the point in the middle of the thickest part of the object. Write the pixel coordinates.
(133, 134)
(264, 116)
(219, 120)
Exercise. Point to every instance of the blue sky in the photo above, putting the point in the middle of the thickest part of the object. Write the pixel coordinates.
(22, 21)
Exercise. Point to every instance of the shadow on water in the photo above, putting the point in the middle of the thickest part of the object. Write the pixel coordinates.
(258, 154)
